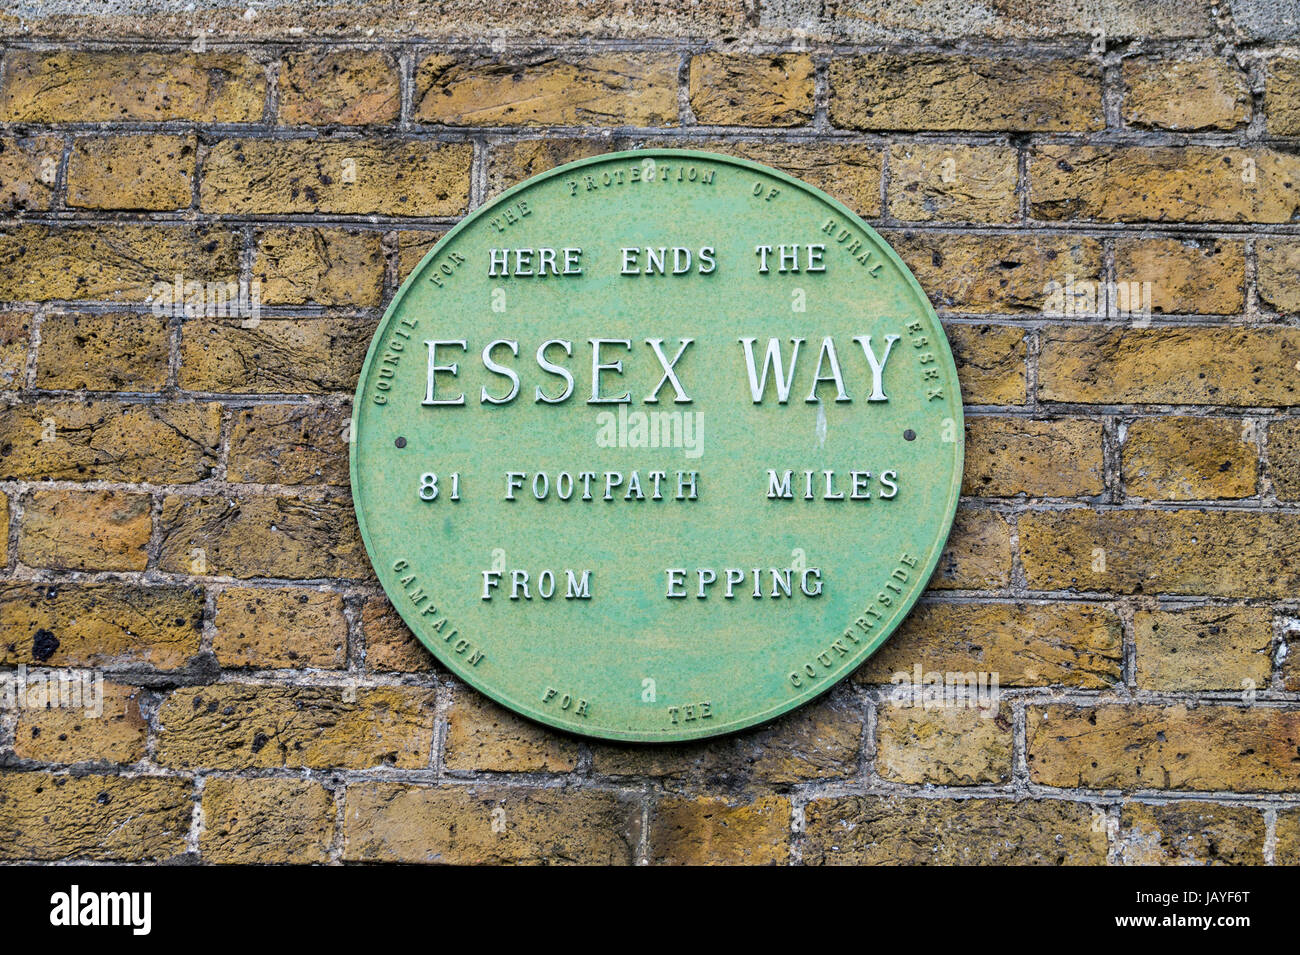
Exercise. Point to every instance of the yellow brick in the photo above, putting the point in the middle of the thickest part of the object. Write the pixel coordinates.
(1279, 262)
(483, 737)
(602, 89)
(291, 356)
(990, 363)
(870, 830)
(1203, 648)
(411, 248)
(103, 86)
(120, 263)
(103, 353)
(729, 89)
(1190, 833)
(1175, 458)
(1207, 748)
(939, 91)
(952, 182)
(172, 442)
(94, 625)
(1067, 644)
(1238, 366)
(1185, 94)
(75, 734)
(1215, 553)
(488, 825)
(51, 817)
(1193, 276)
(390, 645)
(85, 530)
(1282, 96)
(1004, 273)
(28, 166)
(260, 726)
(978, 552)
(289, 444)
(1284, 458)
(266, 821)
(300, 537)
(713, 830)
(132, 172)
(352, 177)
(15, 339)
(1287, 833)
(1163, 184)
(952, 746)
(319, 266)
(348, 87)
(265, 628)
(510, 163)
(1011, 456)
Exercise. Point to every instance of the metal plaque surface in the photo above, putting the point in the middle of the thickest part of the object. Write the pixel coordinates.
(657, 445)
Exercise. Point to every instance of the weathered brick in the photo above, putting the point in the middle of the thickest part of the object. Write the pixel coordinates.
(819, 741)
(1279, 262)
(142, 171)
(1210, 748)
(28, 166)
(1010, 456)
(1163, 184)
(262, 628)
(1195, 276)
(102, 86)
(355, 177)
(1236, 366)
(977, 554)
(1066, 644)
(1176, 458)
(940, 91)
(739, 89)
(510, 163)
(75, 734)
(712, 830)
(94, 625)
(1287, 834)
(1203, 648)
(289, 444)
(482, 736)
(266, 821)
(1284, 458)
(85, 530)
(1005, 273)
(951, 746)
(103, 353)
(411, 248)
(169, 442)
(492, 825)
(390, 645)
(1282, 96)
(46, 816)
(1190, 833)
(599, 89)
(348, 87)
(260, 726)
(120, 262)
(319, 266)
(15, 339)
(300, 537)
(990, 363)
(1208, 93)
(870, 830)
(1216, 553)
(952, 182)
(289, 356)
(4, 525)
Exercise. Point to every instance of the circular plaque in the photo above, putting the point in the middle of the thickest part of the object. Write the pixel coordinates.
(657, 445)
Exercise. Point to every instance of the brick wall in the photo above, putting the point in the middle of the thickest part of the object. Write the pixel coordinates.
(175, 490)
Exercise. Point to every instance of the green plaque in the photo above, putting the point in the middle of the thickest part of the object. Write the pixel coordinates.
(657, 445)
